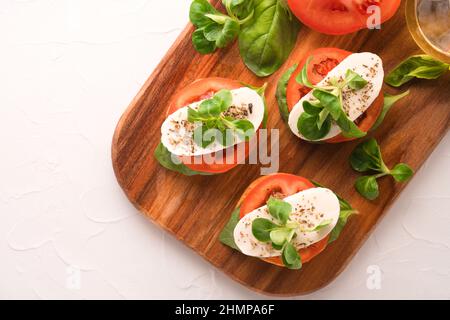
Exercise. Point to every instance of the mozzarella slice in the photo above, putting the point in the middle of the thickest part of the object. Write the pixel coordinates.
(310, 208)
(370, 67)
(177, 132)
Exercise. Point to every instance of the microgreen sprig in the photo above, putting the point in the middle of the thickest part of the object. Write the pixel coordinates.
(216, 29)
(327, 106)
(367, 157)
(216, 125)
(281, 234)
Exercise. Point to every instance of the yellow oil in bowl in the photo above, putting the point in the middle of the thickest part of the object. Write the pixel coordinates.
(429, 24)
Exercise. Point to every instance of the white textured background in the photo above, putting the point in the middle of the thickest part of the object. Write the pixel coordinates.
(68, 69)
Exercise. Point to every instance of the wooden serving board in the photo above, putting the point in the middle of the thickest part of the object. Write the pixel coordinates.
(195, 209)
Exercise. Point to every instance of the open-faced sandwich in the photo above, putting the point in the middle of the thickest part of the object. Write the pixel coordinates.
(285, 220)
(209, 126)
(333, 95)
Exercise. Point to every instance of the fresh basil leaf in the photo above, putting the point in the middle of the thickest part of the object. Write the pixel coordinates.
(389, 101)
(372, 149)
(261, 229)
(345, 205)
(212, 123)
(276, 246)
(329, 101)
(241, 9)
(281, 92)
(203, 136)
(225, 136)
(322, 225)
(259, 90)
(402, 172)
(324, 116)
(290, 257)
(343, 219)
(212, 31)
(201, 44)
(193, 115)
(244, 129)
(308, 126)
(228, 33)
(348, 127)
(266, 43)
(302, 77)
(279, 236)
(346, 211)
(164, 157)
(429, 73)
(210, 114)
(279, 209)
(224, 98)
(354, 80)
(312, 109)
(367, 186)
(419, 66)
(198, 11)
(367, 156)
(210, 108)
(227, 234)
(218, 18)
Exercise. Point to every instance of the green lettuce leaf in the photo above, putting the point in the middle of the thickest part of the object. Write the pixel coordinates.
(164, 157)
(281, 92)
(346, 212)
(389, 102)
(227, 234)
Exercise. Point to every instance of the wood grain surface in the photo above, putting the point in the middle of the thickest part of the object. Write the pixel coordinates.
(195, 209)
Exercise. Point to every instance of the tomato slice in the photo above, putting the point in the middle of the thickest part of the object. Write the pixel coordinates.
(282, 185)
(339, 17)
(196, 91)
(323, 61)
(200, 89)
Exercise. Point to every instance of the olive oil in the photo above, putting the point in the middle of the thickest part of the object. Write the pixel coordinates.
(429, 24)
